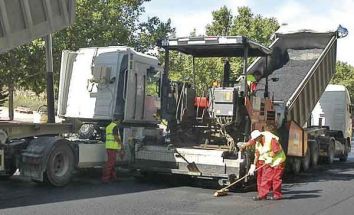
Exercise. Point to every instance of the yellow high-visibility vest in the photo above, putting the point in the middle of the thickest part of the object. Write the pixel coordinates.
(111, 143)
(250, 79)
(264, 150)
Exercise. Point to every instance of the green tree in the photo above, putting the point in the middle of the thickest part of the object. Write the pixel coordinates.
(98, 23)
(255, 27)
(151, 31)
(245, 23)
(3, 94)
(221, 24)
(345, 76)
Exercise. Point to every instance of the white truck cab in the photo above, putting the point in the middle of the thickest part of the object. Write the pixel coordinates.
(103, 83)
(334, 110)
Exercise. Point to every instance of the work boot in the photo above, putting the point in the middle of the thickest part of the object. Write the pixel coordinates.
(273, 198)
(270, 198)
(258, 198)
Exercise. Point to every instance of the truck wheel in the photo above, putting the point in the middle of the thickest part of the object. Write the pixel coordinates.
(306, 161)
(295, 165)
(60, 165)
(10, 166)
(330, 153)
(314, 153)
(344, 156)
(245, 166)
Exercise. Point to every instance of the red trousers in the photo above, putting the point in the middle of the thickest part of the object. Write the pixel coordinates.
(271, 180)
(259, 174)
(109, 171)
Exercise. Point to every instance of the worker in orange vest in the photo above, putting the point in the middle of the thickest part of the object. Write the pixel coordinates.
(113, 146)
(270, 158)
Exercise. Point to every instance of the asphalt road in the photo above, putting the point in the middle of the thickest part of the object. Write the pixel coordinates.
(324, 190)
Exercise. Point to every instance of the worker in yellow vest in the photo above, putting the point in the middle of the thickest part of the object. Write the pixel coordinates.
(252, 80)
(113, 146)
(270, 155)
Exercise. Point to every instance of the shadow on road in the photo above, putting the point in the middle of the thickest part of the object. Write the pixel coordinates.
(340, 171)
(301, 194)
(19, 191)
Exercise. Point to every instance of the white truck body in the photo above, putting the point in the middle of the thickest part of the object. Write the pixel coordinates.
(334, 110)
(92, 84)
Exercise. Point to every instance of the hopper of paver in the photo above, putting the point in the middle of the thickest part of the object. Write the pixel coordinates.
(301, 66)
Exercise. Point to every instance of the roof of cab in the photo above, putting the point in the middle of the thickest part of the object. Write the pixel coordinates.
(215, 46)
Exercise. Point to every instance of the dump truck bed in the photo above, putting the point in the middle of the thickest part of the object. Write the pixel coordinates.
(284, 81)
(24, 21)
(301, 66)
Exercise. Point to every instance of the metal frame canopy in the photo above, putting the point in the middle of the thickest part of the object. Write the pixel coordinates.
(215, 46)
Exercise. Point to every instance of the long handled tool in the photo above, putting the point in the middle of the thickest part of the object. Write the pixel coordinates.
(191, 166)
(225, 190)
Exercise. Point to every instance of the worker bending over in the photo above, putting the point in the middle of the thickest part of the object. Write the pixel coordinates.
(113, 146)
(268, 152)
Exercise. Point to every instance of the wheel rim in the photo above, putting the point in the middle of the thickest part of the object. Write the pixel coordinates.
(60, 164)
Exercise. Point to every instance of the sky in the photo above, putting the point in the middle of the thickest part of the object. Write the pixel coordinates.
(187, 15)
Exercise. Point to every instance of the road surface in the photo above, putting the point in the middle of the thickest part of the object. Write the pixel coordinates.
(324, 190)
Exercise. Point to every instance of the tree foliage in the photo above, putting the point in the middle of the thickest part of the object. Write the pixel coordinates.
(245, 23)
(98, 23)
(151, 31)
(3, 95)
(221, 24)
(256, 27)
(344, 76)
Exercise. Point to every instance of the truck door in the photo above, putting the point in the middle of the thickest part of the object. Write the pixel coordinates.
(135, 96)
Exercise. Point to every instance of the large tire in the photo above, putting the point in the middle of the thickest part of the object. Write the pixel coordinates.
(10, 166)
(295, 165)
(306, 161)
(314, 153)
(344, 156)
(60, 165)
(245, 166)
(330, 153)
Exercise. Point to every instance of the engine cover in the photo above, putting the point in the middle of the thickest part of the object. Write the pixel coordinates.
(223, 101)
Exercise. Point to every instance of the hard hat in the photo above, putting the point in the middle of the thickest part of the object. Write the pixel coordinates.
(255, 134)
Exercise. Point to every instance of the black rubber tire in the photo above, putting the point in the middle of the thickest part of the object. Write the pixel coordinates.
(344, 157)
(306, 161)
(314, 153)
(42, 109)
(245, 166)
(8, 175)
(60, 165)
(10, 170)
(330, 153)
(296, 165)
